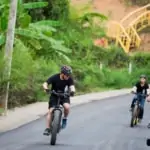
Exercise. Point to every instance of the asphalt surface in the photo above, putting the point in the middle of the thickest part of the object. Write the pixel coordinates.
(100, 125)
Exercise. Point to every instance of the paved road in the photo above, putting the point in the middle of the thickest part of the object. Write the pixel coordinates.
(100, 125)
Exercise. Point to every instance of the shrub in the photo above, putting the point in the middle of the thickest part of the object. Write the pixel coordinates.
(117, 58)
(141, 59)
(56, 10)
(116, 78)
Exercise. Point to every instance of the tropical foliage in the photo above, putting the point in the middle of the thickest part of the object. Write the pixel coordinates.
(49, 34)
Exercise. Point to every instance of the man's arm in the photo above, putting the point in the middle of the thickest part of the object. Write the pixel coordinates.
(134, 89)
(46, 83)
(148, 89)
(72, 87)
(45, 86)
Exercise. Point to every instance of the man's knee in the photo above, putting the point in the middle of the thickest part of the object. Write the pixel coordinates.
(135, 98)
(50, 111)
(66, 106)
(142, 105)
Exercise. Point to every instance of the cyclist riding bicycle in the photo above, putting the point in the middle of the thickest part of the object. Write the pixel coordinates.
(59, 82)
(141, 87)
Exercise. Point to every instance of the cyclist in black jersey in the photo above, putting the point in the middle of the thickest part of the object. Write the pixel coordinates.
(59, 82)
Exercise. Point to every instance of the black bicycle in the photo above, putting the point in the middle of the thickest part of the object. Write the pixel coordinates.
(136, 110)
(56, 116)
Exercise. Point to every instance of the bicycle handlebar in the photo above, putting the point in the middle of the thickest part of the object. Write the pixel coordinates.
(58, 94)
(141, 94)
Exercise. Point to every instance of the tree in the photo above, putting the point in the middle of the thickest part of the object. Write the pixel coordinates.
(9, 47)
(32, 34)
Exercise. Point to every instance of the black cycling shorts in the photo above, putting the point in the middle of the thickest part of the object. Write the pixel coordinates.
(53, 101)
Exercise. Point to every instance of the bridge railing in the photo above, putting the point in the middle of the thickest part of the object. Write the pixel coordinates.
(141, 22)
(131, 16)
(126, 33)
(135, 39)
(137, 25)
(117, 31)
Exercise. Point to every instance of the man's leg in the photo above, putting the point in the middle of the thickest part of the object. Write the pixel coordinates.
(48, 122)
(142, 102)
(66, 106)
(52, 102)
(66, 109)
(133, 101)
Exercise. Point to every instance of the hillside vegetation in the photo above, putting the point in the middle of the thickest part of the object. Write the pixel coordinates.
(50, 34)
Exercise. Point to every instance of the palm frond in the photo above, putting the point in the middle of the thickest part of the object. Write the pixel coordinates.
(89, 16)
(4, 6)
(49, 23)
(63, 56)
(42, 28)
(61, 48)
(33, 5)
(27, 33)
(51, 40)
(35, 43)
(2, 39)
(94, 14)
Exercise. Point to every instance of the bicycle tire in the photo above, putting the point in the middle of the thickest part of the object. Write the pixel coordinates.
(55, 126)
(132, 124)
(139, 112)
(134, 116)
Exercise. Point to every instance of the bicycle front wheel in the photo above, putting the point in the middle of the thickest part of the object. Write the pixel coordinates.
(134, 116)
(55, 126)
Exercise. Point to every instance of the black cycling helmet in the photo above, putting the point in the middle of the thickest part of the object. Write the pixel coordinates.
(143, 76)
(66, 70)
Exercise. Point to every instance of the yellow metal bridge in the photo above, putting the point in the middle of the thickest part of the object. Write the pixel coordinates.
(126, 31)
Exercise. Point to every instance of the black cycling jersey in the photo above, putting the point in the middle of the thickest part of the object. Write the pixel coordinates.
(142, 89)
(58, 84)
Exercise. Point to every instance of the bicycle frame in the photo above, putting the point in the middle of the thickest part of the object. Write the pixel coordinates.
(56, 116)
(58, 107)
(139, 99)
(137, 106)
